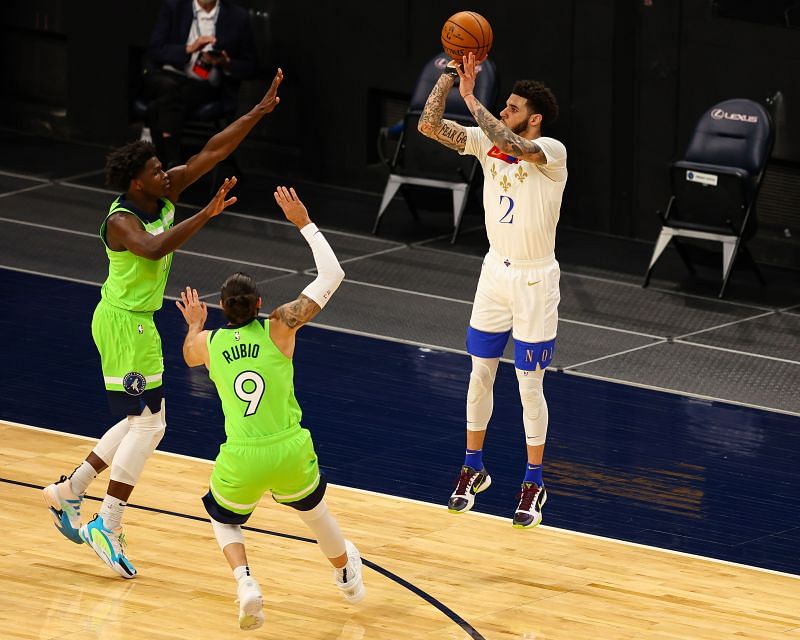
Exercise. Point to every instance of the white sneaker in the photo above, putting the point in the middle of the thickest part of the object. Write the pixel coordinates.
(65, 507)
(251, 603)
(351, 584)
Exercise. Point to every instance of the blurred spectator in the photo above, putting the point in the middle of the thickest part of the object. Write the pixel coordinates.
(199, 52)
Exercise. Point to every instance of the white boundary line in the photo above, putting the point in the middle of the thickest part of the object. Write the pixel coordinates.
(591, 536)
(419, 244)
(21, 176)
(741, 353)
(236, 214)
(723, 325)
(34, 187)
(614, 355)
(566, 369)
(677, 392)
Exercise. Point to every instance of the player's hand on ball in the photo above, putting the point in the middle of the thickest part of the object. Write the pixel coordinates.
(294, 210)
(193, 309)
(466, 73)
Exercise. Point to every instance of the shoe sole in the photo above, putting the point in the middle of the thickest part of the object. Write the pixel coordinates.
(253, 617)
(486, 484)
(54, 507)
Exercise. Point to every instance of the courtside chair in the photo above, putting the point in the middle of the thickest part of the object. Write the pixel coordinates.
(423, 162)
(715, 186)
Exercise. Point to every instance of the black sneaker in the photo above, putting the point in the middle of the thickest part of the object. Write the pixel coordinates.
(529, 510)
(470, 483)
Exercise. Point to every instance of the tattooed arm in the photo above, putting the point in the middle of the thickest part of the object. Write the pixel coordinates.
(502, 137)
(431, 124)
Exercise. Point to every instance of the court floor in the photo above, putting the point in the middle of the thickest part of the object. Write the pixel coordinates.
(674, 433)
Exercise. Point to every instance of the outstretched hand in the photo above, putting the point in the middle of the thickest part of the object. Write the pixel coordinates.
(271, 99)
(193, 309)
(294, 210)
(218, 204)
(466, 74)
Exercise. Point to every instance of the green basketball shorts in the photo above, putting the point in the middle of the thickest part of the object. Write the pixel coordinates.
(284, 464)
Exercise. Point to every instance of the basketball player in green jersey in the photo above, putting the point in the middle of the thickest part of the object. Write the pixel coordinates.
(139, 238)
(250, 362)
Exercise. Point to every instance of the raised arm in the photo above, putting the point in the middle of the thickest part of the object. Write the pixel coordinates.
(195, 312)
(223, 143)
(431, 124)
(500, 135)
(124, 231)
(292, 315)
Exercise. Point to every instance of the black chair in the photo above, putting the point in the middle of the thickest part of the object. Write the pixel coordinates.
(423, 162)
(715, 186)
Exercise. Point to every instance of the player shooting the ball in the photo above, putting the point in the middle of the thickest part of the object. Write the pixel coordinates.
(524, 178)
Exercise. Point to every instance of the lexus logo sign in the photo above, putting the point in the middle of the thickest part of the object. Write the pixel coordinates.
(721, 114)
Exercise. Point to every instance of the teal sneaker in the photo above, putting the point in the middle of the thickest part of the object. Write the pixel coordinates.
(66, 511)
(109, 545)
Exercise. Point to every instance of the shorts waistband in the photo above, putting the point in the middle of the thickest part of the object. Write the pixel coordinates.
(526, 264)
(266, 440)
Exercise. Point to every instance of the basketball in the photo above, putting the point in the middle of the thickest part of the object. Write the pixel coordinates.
(467, 31)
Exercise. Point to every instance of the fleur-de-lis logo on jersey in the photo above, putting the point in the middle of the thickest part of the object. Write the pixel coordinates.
(521, 174)
(493, 171)
(236, 336)
(140, 329)
(505, 183)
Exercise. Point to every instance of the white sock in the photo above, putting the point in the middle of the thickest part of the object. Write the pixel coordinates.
(112, 511)
(81, 478)
(241, 572)
(345, 574)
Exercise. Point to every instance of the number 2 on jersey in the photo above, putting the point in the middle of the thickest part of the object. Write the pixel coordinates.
(508, 217)
(253, 396)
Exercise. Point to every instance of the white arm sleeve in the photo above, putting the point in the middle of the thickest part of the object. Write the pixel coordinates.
(329, 273)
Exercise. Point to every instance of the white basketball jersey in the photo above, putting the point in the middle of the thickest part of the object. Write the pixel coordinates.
(522, 200)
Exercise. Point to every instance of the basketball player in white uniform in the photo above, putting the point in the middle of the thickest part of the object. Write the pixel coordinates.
(517, 294)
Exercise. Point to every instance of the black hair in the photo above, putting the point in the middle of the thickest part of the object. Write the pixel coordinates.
(125, 163)
(239, 298)
(540, 99)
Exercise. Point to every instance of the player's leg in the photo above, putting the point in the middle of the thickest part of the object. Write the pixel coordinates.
(535, 326)
(64, 497)
(235, 489)
(487, 335)
(130, 351)
(302, 487)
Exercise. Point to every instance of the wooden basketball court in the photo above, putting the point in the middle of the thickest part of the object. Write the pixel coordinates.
(429, 574)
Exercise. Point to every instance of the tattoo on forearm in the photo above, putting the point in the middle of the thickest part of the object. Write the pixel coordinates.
(434, 105)
(457, 136)
(298, 312)
(505, 139)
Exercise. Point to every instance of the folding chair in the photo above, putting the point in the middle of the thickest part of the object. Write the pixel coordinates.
(423, 162)
(715, 186)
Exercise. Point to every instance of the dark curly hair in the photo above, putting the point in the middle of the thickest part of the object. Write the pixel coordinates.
(239, 298)
(125, 163)
(540, 99)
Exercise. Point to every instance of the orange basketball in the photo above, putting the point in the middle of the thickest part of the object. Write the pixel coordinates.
(467, 31)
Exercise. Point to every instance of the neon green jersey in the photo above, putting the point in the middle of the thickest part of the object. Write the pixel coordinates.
(254, 380)
(135, 283)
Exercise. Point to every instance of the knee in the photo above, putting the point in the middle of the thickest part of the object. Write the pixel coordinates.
(481, 378)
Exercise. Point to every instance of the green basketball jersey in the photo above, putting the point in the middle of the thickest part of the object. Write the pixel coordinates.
(135, 283)
(254, 380)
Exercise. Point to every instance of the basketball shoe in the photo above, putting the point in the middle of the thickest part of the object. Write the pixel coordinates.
(65, 507)
(529, 510)
(109, 545)
(470, 483)
(351, 584)
(251, 604)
